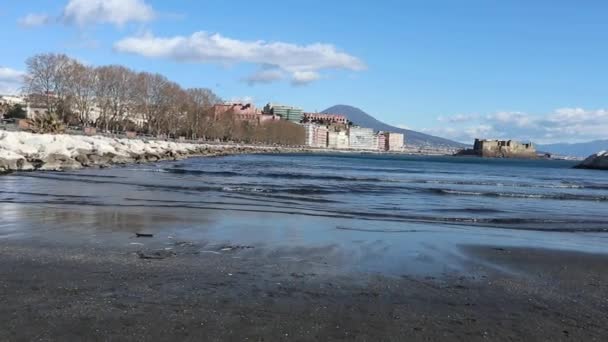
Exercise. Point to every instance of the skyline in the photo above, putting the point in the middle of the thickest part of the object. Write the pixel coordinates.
(477, 69)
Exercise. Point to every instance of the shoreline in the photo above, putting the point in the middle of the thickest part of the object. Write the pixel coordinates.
(22, 151)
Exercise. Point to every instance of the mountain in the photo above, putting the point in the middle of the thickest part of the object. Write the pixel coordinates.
(412, 138)
(576, 150)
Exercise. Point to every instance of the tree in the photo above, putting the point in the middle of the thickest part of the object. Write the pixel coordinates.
(47, 81)
(114, 92)
(81, 90)
(199, 111)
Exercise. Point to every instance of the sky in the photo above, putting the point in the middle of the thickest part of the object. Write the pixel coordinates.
(517, 69)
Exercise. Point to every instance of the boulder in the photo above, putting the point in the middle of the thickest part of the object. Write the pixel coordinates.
(10, 161)
(598, 161)
(59, 162)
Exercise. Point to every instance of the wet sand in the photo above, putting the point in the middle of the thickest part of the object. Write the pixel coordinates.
(52, 291)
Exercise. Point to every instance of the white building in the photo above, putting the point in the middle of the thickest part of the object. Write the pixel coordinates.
(12, 100)
(316, 135)
(395, 141)
(361, 138)
(337, 140)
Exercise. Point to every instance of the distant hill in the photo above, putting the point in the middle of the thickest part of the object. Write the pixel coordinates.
(576, 150)
(413, 138)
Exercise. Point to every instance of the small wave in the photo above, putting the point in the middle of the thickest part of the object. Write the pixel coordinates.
(275, 175)
(503, 184)
(379, 230)
(202, 172)
(564, 197)
(244, 189)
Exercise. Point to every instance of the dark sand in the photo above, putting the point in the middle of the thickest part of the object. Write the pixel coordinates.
(61, 293)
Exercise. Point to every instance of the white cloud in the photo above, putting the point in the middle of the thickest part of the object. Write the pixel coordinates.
(34, 20)
(464, 134)
(562, 125)
(10, 80)
(265, 76)
(304, 77)
(458, 118)
(116, 12)
(302, 62)
(516, 118)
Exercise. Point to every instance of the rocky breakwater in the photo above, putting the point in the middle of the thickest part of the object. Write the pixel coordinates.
(598, 161)
(21, 151)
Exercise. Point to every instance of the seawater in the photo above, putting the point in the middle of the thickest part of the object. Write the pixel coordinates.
(370, 210)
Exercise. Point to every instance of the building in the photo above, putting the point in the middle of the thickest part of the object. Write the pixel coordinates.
(380, 141)
(288, 113)
(315, 135)
(241, 111)
(361, 138)
(327, 119)
(12, 100)
(394, 141)
(337, 140)
(503, 149)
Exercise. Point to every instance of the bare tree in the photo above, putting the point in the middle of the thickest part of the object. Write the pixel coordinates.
(199, 112)
(81, 89)
(114, 95)
(47, 80)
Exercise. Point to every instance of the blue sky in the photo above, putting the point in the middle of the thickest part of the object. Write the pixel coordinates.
(460, 69)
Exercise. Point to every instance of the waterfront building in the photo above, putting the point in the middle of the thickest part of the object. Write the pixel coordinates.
(12, 100)
(380, 141)
(241, 111)
(327, 119)
(337, 140)
(361, 138)
(394, 141)
(315, 135)
(503, 149)
(289, 113)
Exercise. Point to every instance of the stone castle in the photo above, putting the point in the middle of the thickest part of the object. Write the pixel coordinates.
(503, 149)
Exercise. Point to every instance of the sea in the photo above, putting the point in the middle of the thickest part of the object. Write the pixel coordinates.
(363, 212)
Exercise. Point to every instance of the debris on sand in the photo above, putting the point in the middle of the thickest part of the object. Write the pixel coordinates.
(146, 235)
(156, 255)
(228, 248)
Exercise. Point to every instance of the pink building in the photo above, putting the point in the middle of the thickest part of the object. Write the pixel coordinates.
(268, 118)
(242, 111)
(382, 142)
(325, 118)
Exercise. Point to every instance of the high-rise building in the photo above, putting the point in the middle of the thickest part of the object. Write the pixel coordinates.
(337, 140)
(316, 136)
(288, 113)
(395, 141)
(380, 141)
(361, 138)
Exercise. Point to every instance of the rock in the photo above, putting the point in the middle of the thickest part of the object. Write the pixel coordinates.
(598, 161)
(21, 151)
(10, 161)
(59, 162)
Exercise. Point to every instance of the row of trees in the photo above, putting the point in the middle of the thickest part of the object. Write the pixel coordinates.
(115, 98)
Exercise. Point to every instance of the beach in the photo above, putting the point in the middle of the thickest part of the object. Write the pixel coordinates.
(53, 293)
(305, 247)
